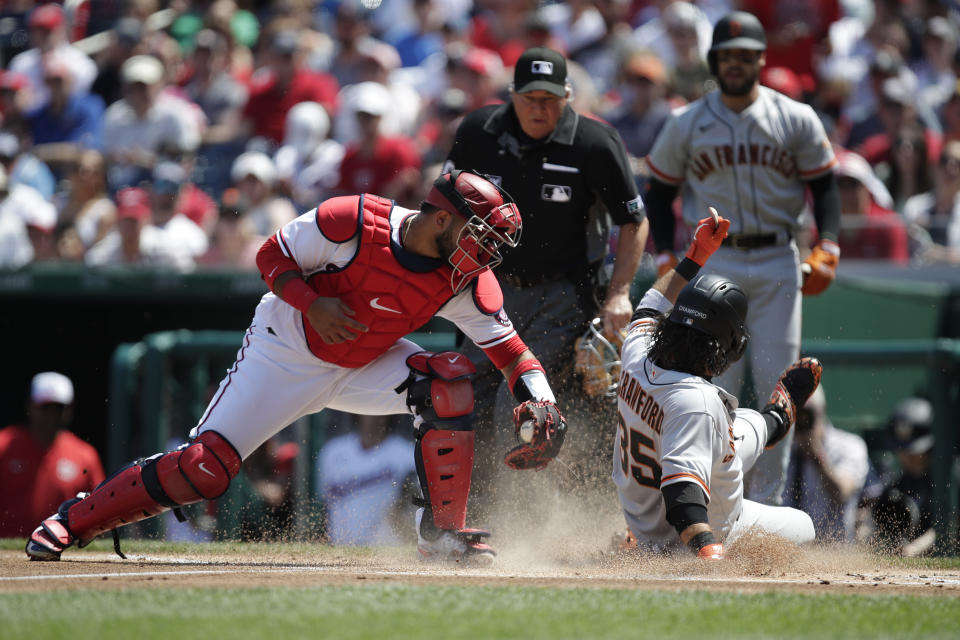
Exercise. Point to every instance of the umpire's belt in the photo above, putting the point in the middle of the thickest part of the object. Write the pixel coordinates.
(529, 280)
(754, 241)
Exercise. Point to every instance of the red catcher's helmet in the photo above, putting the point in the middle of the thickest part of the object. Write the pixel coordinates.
(493, 220)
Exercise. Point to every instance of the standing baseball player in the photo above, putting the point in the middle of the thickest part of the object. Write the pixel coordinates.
(682, 445)
(349, 279)
(751, 153)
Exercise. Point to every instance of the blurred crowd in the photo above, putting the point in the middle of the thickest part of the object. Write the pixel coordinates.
(181, 134)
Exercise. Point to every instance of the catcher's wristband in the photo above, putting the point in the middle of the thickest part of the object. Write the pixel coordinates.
(298, 294)
(529, 382)
(701, 540)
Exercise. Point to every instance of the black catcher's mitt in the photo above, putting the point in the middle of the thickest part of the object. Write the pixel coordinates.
(543, 445)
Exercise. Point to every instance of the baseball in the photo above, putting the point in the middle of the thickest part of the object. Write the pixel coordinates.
(526, 430)
(716, 217)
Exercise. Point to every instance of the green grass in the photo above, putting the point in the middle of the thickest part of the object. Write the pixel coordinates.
(381, 611)
(391, 612)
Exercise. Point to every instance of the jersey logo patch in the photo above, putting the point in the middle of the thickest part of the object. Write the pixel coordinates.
(375, 303)
(635, 205)
(502, 318)
(556, 193)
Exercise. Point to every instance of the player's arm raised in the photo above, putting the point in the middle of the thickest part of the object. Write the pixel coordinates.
(707, 237)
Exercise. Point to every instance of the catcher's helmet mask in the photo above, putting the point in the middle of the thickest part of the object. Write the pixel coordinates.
(717, 307)
(493, 220)
(736, 30)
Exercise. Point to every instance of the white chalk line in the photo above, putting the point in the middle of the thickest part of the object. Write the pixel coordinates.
(474, 572)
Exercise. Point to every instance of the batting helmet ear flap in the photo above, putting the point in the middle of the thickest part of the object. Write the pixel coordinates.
(738, 348)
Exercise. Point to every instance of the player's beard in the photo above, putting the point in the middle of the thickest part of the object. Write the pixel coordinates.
(447, 243)
(742, 86)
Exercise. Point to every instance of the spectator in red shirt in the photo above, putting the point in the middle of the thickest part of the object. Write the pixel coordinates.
(869, 228)
(42, 463)
(375, 163)
(281, 84)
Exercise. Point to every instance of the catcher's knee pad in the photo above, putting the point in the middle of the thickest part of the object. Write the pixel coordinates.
(439, 388)
(440, 392)
(150, 486)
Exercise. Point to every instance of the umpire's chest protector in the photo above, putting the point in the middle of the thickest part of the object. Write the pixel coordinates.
(389, 298)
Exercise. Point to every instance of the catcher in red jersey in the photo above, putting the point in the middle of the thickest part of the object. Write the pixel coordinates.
(683, 445)
(348, 280)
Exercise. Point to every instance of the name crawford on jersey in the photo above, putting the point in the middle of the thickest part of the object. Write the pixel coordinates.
(640, 401)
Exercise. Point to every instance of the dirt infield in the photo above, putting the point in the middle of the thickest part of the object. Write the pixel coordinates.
(753, 566)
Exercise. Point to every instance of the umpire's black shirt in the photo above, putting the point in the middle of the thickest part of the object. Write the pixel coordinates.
(555, 181)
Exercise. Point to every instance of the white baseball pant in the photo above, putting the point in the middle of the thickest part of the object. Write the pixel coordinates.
(276, 380)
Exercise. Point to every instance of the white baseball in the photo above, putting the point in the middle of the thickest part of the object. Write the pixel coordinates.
(527, 428)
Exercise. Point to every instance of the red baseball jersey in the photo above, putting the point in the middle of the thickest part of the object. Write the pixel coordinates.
(35, 480)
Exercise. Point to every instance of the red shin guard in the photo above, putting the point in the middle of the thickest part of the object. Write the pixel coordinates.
(200, 470)
(445, 462)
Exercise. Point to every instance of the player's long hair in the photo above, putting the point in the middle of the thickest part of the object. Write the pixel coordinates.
(681, 348)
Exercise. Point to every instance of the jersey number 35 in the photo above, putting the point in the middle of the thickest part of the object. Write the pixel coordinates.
(644, 468)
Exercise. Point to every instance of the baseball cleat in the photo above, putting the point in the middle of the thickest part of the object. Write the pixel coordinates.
(625, 542)
(49, 540)
(460, 545)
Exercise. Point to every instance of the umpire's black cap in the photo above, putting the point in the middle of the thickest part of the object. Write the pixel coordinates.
(739, 30)
(541, 68)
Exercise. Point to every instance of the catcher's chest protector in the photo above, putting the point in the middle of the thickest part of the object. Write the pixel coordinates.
(385, 296)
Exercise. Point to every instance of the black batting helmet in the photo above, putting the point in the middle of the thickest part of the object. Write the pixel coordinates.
(717, 307)
(736, 30)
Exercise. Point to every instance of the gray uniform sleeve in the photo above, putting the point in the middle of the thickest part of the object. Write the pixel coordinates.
(811, 146)
(668, 157)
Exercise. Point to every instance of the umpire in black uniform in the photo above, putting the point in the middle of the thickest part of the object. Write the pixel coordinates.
(566, 173)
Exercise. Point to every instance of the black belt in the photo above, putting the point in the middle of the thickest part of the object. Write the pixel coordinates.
(528, 280)
(750, 241)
